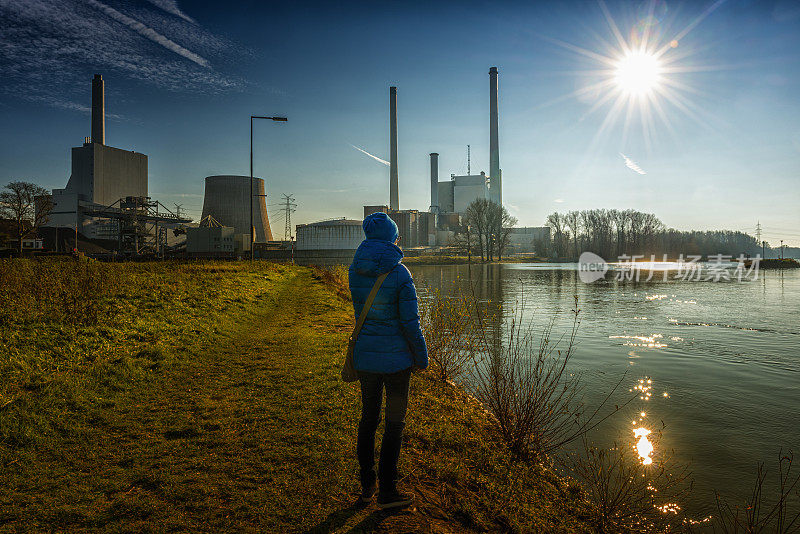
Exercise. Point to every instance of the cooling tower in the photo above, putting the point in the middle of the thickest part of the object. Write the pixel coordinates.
(226, 199)
(394, 200)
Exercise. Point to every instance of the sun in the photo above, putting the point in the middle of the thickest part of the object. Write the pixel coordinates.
(637, 73)
(646, 74)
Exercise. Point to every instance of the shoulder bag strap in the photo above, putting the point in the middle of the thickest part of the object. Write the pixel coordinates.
(368, 304)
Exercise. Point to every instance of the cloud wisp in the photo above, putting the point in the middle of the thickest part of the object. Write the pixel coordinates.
(632, 164)
(376, 158)
(150, 33)
(50, 48)
(171, 6)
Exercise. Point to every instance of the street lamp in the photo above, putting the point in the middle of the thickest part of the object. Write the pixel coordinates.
(252, 228)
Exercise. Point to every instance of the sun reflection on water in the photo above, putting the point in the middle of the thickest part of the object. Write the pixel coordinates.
(643, 446)
(645, 341)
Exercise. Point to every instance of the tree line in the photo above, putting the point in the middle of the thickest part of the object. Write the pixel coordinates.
(612, 233)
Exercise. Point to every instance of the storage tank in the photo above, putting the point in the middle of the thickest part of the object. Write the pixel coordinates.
(337, 234)
(226, 199)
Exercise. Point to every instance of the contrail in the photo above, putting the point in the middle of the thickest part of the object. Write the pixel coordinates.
(632, 164)
(171, 6)
(376, 158)
(150, 33)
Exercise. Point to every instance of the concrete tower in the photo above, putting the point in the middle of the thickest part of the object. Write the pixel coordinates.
(495, 174)
(226, 200)
(98, 110)
(394, 196)
(434, 182)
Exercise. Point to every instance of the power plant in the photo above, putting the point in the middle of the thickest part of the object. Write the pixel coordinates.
(449, 199)
(106, 195)
(335, 239)
(106, 199)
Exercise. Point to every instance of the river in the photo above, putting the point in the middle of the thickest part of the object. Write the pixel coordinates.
(717, 364)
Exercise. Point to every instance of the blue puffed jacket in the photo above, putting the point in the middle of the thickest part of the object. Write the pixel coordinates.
(391, 339)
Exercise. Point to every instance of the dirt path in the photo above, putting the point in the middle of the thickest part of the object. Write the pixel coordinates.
(251, 431)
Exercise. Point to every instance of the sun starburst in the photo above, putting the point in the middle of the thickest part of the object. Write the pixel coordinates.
(639, 78)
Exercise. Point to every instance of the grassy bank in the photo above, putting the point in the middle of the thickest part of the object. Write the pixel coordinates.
(206, 396)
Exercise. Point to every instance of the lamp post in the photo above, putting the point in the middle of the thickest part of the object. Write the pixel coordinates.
(252, 228)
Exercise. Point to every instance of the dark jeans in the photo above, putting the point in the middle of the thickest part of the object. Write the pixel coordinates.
(372, 385)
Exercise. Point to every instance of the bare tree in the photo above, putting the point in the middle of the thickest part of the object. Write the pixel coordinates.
(556, 222)
(465, 242)
(504, 223)
(27, 205)
(572, 221)
(612, 233)
(477, 216)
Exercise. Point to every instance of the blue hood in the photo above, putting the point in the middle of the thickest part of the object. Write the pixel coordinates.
(380, 226)
(375, 257)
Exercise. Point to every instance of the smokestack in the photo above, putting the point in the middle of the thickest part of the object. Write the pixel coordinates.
(98, 110)
(394, 200)
(495, 174)
(434, 182)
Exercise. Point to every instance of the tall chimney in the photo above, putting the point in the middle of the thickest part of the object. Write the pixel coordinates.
(98, 110)
(495, 174)
(394, 200)
(434, 182)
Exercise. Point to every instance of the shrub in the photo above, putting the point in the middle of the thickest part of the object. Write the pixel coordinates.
(629, 496)
(756, 515)
(63, 291)
(525, 385)
(450, 333)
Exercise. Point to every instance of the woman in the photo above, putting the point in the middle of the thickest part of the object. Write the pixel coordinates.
(389, 345)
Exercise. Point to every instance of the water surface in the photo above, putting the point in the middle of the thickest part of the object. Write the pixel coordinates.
(715, 364)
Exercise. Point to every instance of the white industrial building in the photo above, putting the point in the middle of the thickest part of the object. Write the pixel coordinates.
(101, 175)
(527, 238)
(337, 234)
(457, 194)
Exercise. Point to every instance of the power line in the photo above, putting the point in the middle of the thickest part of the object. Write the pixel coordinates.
(289, 207)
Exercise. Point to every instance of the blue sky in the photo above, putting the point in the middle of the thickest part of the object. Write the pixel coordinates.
(182, 79)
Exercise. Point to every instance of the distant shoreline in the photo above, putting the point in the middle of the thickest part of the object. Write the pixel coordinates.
(771, 263)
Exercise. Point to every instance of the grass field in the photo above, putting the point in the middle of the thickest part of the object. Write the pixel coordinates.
(206, 397)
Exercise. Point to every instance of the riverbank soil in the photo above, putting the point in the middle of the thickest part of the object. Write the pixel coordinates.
(207, 397)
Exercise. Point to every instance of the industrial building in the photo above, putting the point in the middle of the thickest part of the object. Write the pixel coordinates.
(229, 200)
(328, 242)
(415, 228)
(106, 194)
(528, 239)
(210, 239)
(101, 175)
(457, 194)
(335, 234)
